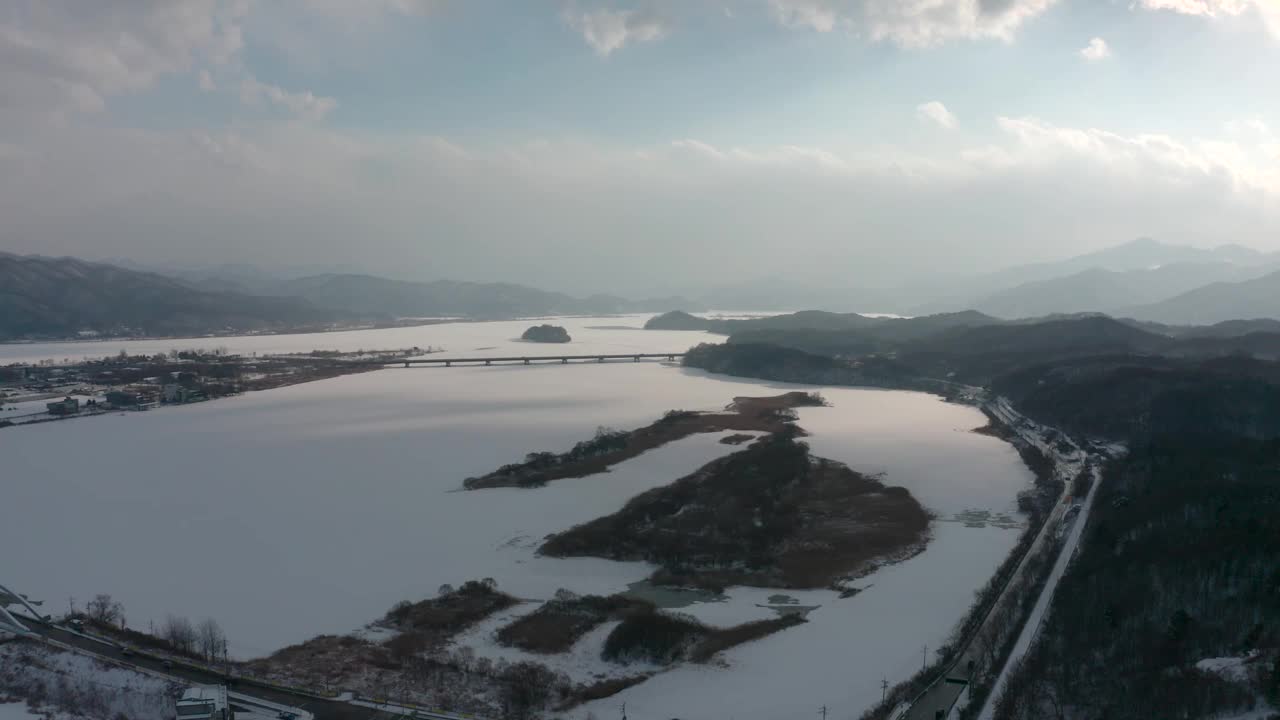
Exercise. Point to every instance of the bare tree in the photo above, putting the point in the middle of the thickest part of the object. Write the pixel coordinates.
(104, 610)
(210, 639)
(180, 633)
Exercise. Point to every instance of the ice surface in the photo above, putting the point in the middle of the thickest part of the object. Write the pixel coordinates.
(486, 339)
(314, 508)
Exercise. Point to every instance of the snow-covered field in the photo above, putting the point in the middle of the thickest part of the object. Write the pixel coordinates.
(72, 686)
(314, 508)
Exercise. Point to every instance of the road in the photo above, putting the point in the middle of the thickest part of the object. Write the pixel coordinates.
(321, 709)
(1036, 620)
(944, 692)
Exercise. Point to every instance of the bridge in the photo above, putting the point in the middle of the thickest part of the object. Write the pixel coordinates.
(532, 359)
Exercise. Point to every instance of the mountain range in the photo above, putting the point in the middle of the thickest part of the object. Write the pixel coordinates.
(44, 298)
(1145, 281)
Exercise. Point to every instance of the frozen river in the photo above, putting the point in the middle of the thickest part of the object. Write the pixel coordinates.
(614, 334)
(314, 508)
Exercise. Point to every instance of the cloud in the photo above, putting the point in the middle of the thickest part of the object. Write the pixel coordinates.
(276, 190)
(1225, 165)
(911, 23)
(936, 113)
(62, 56)
(1268, 10)
(1096, 50)
(608, 30)
(304, 105)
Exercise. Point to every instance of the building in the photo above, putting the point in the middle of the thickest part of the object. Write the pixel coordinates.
(131, 399)
(205, 703)
(175, 393)
(65, 406)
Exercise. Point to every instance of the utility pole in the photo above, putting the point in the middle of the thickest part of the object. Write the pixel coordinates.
(884, 688)
(624, 711)
(924, 657)
(824, 712)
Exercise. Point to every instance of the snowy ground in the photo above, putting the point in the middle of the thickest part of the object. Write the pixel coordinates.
(314, 508)
(72, 686)
(17, 711)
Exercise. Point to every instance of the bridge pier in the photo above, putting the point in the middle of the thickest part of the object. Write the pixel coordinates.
(637, 359)
(600, 359)
(526, 361)
(488, 362)
(406, 364)
(564, 361)
(448, 363)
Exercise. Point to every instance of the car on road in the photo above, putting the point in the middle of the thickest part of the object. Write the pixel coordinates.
(126, 651)
(76, 623)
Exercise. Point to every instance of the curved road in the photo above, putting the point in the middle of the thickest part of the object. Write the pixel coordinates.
(322, 709)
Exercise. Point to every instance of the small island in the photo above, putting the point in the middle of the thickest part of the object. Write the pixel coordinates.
(546, 334)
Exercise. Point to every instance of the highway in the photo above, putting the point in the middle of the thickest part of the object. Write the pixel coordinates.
(249, 690)
(942, 695)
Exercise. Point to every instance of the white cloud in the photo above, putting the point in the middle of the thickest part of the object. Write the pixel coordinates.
(912, 23)
(1210, 8)
(1268, 10)
(279, 190)
(1096, 50)
(62, 56)
(304, 105)
(936, 113)
(608, 30)
(1224, 165)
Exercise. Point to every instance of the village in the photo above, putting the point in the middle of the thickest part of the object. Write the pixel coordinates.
(47, 392)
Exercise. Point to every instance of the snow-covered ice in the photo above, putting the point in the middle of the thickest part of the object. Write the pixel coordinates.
(617, 334)
(314, 508)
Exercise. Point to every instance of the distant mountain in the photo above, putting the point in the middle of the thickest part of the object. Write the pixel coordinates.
(803, 320)
(43, 297)
(365, 294)
(1140, 254)
(1134, 273)
(1217, 303)
(1108, 291)
(1230, 329)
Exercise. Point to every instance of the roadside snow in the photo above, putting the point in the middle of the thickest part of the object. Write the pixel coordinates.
(17, 711)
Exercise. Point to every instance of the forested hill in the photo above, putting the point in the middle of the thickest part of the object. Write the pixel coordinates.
(1178, 562)
(44, 297)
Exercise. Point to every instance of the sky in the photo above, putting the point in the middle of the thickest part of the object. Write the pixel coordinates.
(636, 146)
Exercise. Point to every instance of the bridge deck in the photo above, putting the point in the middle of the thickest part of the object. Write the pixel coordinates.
(530, 359)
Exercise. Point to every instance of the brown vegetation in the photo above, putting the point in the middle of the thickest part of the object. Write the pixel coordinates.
(557, 625)
(435, 620)
(770, 515)
(664, 638)
(609, 447)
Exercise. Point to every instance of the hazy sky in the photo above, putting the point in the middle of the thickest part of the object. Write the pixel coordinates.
(636, 144)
